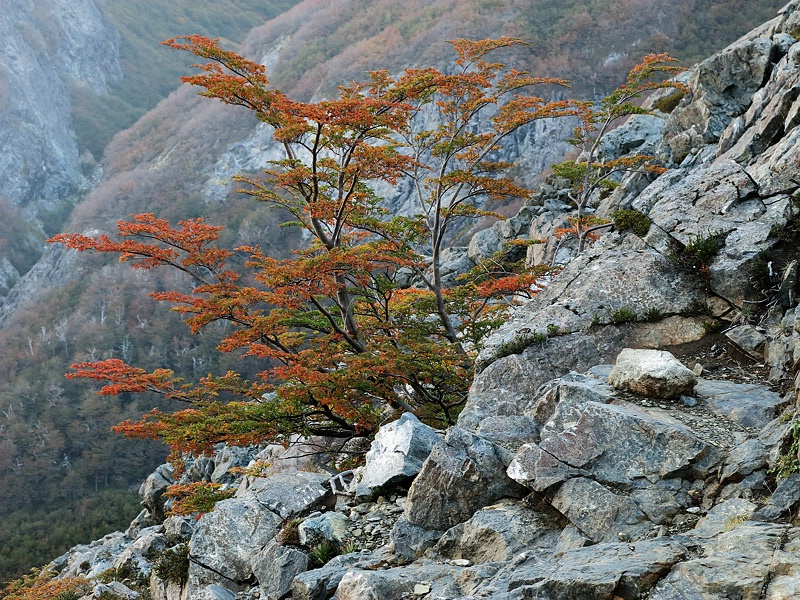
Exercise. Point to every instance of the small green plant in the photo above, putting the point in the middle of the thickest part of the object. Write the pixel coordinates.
(596, 321)
(519, 343)
(553, 330)
(670, 102)
(651, 315)
(735, 520)
(789, 462)
(289, 535)
(622, 316)
(172, 564)
(320, 554)
(633, 220)
(699, 252)
(696, 308)
(350, 547)
(120, 573)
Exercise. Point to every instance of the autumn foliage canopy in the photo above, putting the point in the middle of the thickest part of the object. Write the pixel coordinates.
(345, 341)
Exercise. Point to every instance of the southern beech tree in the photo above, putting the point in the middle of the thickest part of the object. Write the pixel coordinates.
(344, 346)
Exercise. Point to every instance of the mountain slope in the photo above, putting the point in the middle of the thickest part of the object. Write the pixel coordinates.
(177, 160)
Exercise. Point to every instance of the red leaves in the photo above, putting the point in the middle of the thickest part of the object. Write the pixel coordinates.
(339, 343)
(124, 378)
(185, 248)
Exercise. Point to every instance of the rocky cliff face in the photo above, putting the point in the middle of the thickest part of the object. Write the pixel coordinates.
(579, 468)
(48, 46)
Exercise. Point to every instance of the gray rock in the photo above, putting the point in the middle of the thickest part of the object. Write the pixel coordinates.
(178, 527)
(783, 502)
(153, 488)
(462, 474)
(487, 242)
(409, 541)
(616, 444)
(115, 589)
(749, 339)
(213, 592)
(394, 583)
(227, 458)
(539, 470)
(509, 432)
(199, 468)
(498, 533)
(618, 272)
(747, 457)
(287, 494)
(563, 406)
(320, 584)
(770, 114)
(749, 405)
(641, 133)
(599, 513)
(735, 564)
(396, 454)
(330, 526)
(662, 501)
(225, 541)
(722, 87)
(653, 373)
(722, 518)
(275, 566)
(143, 550)
(484, 244)
(610, 570)
(454, 261)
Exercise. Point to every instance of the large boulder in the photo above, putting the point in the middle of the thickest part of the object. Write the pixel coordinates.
(153, 489)
(227, 540)
(499, 533)
(653, 373)
(599, 513)
(275, 566)
(616, 444)
(396, 454)
(737, 555)
(462, 474)
(722, 200)
(621, 275)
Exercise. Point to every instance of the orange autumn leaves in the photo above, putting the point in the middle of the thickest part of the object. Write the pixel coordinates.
(344, 343)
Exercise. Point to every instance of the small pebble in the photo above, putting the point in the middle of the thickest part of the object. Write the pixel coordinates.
(693, 510)
(689, 401)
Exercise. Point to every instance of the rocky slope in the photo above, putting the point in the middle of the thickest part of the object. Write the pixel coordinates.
(578, 469)
(47, 48)
(56, 449)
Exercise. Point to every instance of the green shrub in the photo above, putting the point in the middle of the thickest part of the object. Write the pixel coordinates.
(633, 220)
(788, 461)
(652, 315)
(519, 343)
(322, 553)
(623, 315)
(699, 252)
(172, 564)
(670, 102)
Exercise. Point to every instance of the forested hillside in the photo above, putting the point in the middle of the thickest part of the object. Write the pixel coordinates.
(176, 161)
